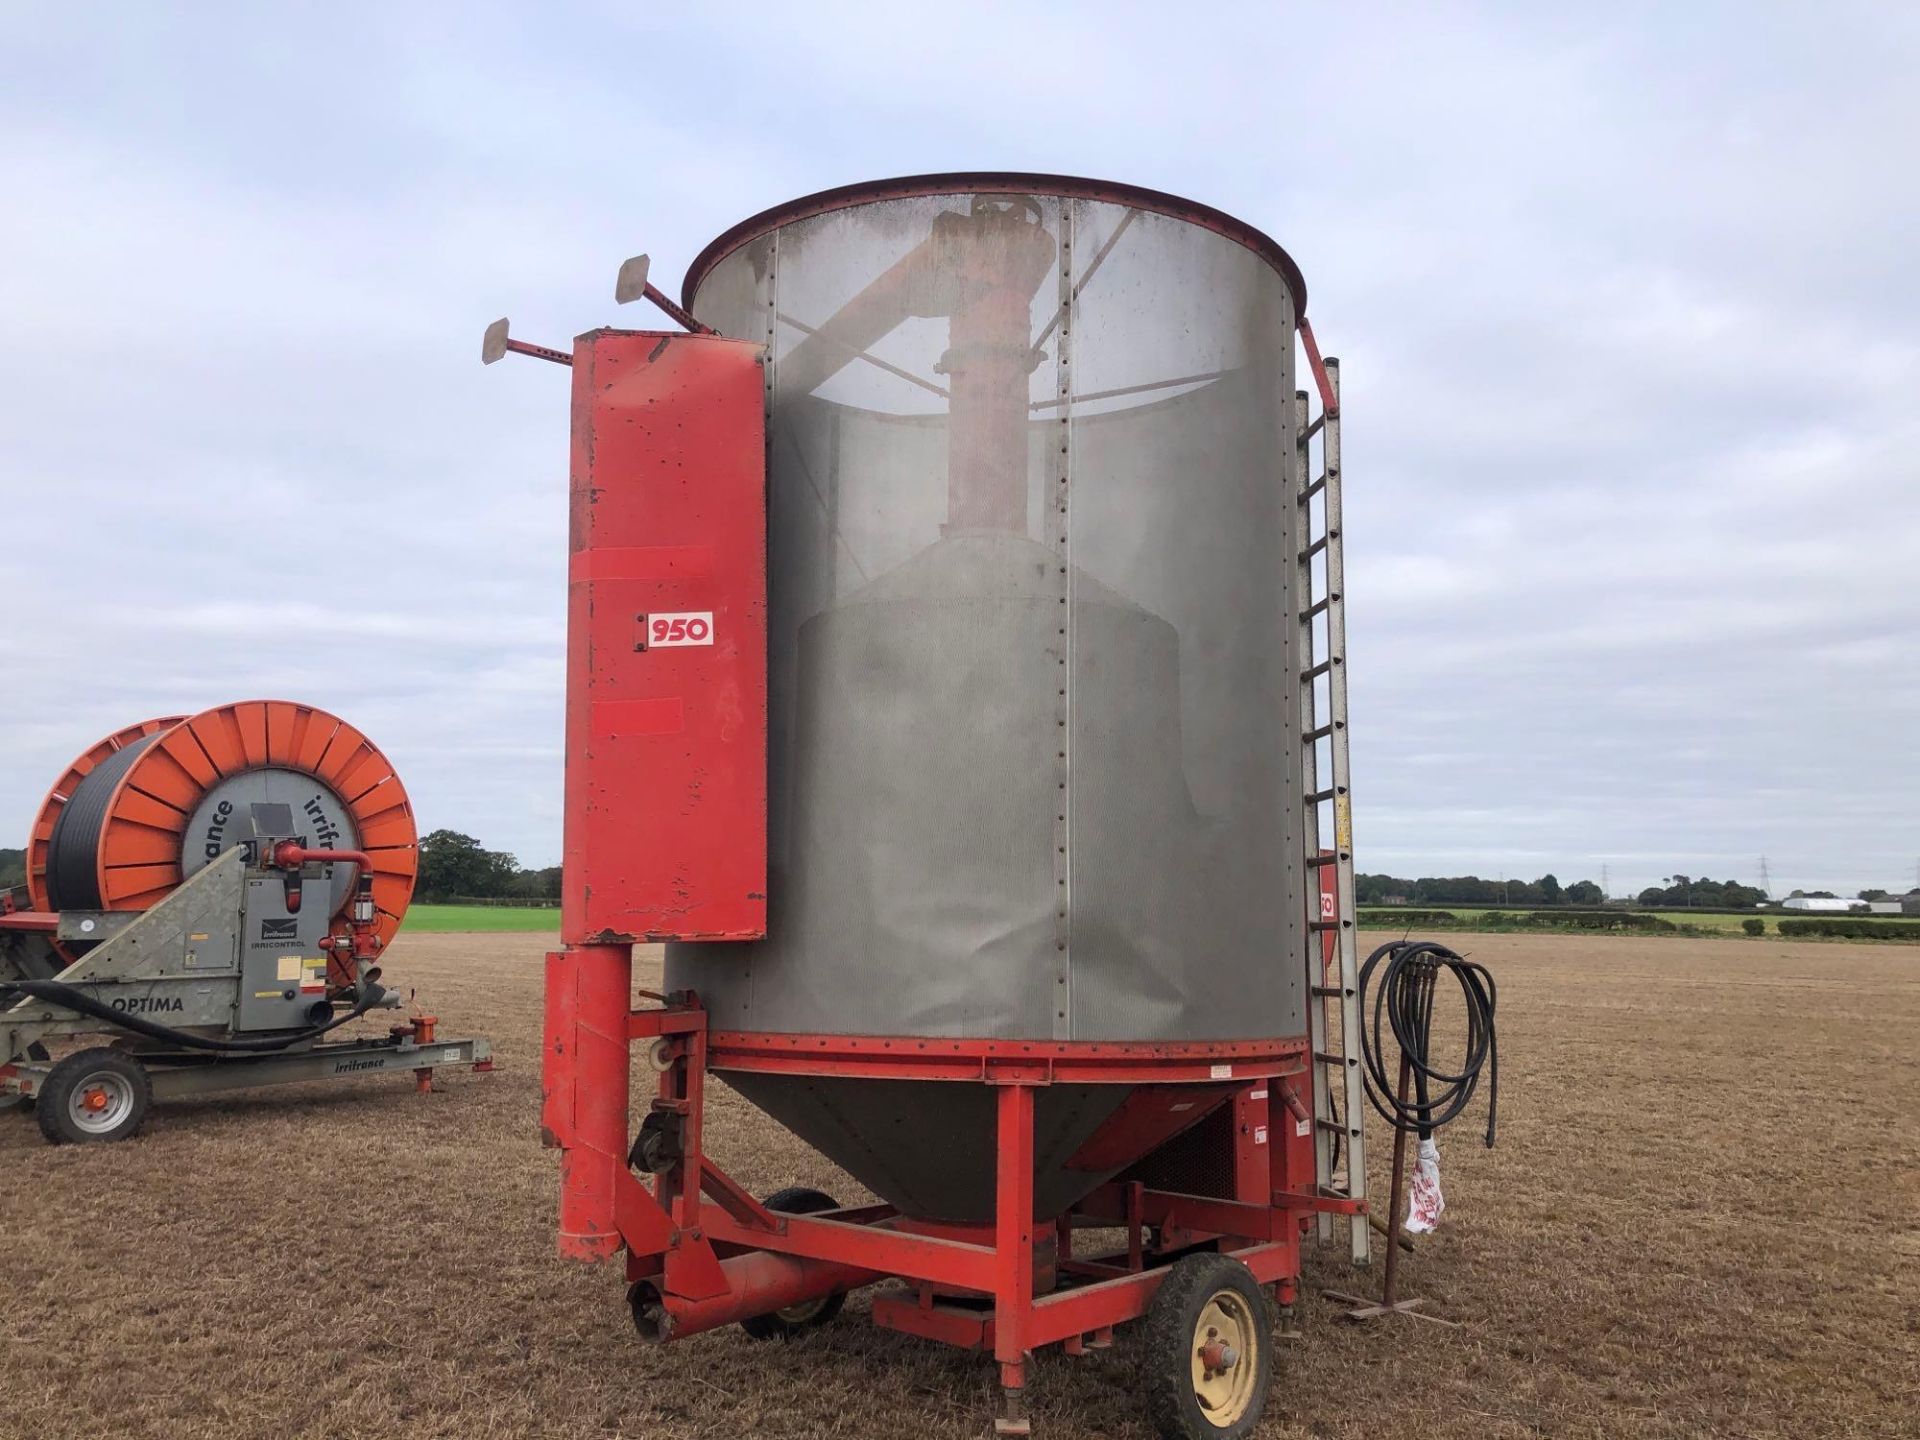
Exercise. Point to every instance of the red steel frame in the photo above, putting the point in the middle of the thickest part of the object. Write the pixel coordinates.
(706, 1253)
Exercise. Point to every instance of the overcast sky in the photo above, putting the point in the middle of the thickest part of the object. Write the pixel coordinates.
(1627, 300)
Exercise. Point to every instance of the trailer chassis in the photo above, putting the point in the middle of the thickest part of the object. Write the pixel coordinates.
(702, 1252)
(178, 1075)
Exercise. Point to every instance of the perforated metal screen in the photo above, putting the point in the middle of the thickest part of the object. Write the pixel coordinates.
(1031, 680)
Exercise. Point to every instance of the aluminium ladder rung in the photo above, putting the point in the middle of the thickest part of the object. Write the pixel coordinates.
(1337, 1127)
(1325, 667)
(1305, 497)
(1323, 731)
(1325, 1058)
(1318, 608)
(1332, 857)
(1320, 797)
(1317, 546)
(1334, 992)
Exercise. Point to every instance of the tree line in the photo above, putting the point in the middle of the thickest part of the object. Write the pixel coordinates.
(452, 866)
(1472, 890)
(1679, 892)
(458, 867)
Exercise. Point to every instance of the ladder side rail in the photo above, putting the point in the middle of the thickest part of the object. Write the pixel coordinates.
(1301, 597)
(1347, 940)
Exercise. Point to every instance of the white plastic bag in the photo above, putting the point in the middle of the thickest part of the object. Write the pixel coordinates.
(1425, 1202)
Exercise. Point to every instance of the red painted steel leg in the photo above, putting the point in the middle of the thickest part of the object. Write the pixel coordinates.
(695, 1070)
(586, 1076)
(1293, 1172)
(1252, 1136)
(1013, 1251)
(1136, 1237)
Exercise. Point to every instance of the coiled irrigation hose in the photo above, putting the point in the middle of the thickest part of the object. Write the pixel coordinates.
(79, 1000)
(1402, 978)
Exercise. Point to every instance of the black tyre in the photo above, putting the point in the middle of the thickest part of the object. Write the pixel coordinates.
(656, 1149)
(1207, 1356)
(785, 1324)
(92, 1096)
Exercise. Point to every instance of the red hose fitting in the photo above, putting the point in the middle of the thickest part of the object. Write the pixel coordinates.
(291, 855)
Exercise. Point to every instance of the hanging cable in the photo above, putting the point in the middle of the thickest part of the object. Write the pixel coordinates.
(1408, 974)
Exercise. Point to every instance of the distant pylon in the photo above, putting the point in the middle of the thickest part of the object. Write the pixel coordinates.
(1606, 883)
(1766, 888)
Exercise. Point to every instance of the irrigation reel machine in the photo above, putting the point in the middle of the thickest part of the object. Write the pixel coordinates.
(207, 899)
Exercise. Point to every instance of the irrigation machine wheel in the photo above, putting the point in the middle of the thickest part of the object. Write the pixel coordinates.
(92, 1096)
(787, 1323)
(1207, 1356)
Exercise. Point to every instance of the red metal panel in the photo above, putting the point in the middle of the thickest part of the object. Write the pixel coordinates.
(1149, 1116)
(666, 788)
(1035, 1061)
(948, 1324)
(1251, 1136)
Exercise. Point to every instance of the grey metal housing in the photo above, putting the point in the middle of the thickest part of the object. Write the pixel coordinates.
(220, 959)
(1029, 776)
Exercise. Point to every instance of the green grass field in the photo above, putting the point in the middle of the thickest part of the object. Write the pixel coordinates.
(1730, 924)
(1678, 917)
(446, 919)
(438, 919)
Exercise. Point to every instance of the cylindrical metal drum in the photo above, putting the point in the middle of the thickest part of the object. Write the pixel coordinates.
(153, 804)
(1032, 675)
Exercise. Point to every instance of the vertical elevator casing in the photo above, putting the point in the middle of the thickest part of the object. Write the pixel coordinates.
(1032, 765)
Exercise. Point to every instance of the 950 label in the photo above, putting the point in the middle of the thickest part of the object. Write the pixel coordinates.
(667, 631)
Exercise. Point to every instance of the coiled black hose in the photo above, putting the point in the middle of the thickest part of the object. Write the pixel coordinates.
(73, 851)
(1408, 971)
(79, 1000)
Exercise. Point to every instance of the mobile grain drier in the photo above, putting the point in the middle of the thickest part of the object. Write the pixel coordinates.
(954, 683)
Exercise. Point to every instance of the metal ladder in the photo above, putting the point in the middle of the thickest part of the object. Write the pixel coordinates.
(1320, 591)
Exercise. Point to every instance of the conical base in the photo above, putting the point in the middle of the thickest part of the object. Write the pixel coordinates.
(927, 1147)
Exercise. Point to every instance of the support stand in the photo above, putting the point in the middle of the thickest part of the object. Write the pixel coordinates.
(1389, 1303)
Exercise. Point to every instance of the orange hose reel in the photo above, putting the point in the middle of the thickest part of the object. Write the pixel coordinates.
(140, 805)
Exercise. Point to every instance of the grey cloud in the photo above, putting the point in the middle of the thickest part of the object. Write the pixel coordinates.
(1624, 296)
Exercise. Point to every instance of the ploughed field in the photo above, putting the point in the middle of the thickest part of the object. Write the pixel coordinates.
(1702, 1218)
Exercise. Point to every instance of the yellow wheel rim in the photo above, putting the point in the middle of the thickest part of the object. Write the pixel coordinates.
(1224, 1367)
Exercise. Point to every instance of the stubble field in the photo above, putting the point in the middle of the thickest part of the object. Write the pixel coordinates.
(1702, 1218)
